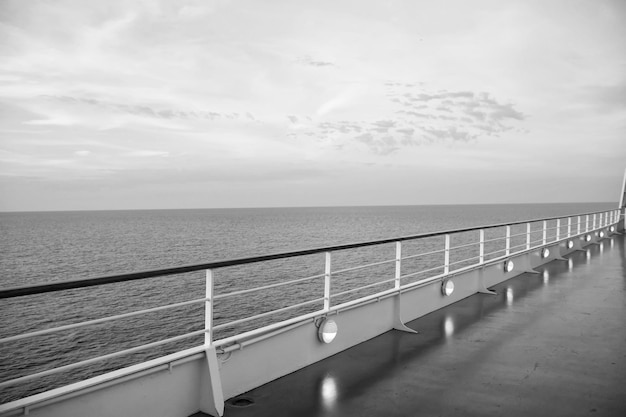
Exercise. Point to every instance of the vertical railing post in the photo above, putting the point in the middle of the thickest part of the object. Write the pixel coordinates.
(569, 227)
(327, 276)
(208, 309)
(558, 229)
(587, 223)
(481, 248)
(527, 236)
(507, 248)
(398, 264)
(594, 222)
(446, 260)
(545, 231)
(579, 220)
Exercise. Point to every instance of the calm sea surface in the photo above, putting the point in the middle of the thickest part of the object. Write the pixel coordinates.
(56, 246)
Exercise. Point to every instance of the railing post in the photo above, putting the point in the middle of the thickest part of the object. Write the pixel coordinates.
(569, 227)
(579, 220)
(481, 249)
(545, 231)
(527, 236)
(587, 223)
(558, 229)
(327, 276)
(507, 249)
(398, 264)
(446, 260)
(208, 309)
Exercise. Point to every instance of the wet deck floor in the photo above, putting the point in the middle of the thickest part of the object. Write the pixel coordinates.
(552, 344)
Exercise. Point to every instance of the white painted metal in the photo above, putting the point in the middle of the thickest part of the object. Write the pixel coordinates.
(327, 277)
(279, 284)
(508, 241)
(267, 314)
(99, 321)
(481, 256)
(355, 268)
(446, 262)
(569, 226)
(423, 254)
(558, 229)
(208, 309)
(527, 235)
(398, 276)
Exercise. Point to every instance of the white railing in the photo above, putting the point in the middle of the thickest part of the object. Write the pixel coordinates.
(429, 259)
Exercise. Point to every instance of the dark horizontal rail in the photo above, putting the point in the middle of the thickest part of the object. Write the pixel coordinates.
(90, 282)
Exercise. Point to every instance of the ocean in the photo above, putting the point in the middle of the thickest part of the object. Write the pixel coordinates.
(55, 246)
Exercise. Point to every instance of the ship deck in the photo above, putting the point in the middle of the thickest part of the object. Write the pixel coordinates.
(552, 343)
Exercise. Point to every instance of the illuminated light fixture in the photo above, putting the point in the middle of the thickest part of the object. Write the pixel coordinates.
(588, 238)
(447, 287)
(570, 244)
(508, 265)
(545, 252)
(327, 330)
(601, 234)
(612, 229)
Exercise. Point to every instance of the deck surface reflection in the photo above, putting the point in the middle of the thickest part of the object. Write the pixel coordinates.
(552, 344)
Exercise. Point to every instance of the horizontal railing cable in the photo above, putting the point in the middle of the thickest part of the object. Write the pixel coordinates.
(354, 268)
(268, 313)
(266, 287)
(101, 320)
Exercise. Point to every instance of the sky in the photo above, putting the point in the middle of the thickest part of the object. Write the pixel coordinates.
(200, 104)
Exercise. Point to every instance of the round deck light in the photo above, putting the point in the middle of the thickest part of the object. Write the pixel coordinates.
(570, 244)
(601, 234)
(588, 238)
(327, 330)
(447, 287)
(612, 229)
(508, 265)
(545, 252)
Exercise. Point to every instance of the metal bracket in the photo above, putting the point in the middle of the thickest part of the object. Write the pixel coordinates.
(482, 288)
(398, 324)
(212, 398)
(531, 271)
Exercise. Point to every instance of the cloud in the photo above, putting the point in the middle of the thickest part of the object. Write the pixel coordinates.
(307, 60)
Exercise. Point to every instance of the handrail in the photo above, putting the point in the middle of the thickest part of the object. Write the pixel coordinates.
(110, 279)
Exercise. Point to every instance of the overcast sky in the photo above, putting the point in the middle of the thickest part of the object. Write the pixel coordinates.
(185, 104)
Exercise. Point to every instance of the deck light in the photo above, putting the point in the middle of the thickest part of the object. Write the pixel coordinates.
(447, 287)
(588, 238)
(545, 252)
(508, 265)
(612, 229)
(601, 234)
(327, 330)
(570, 244)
